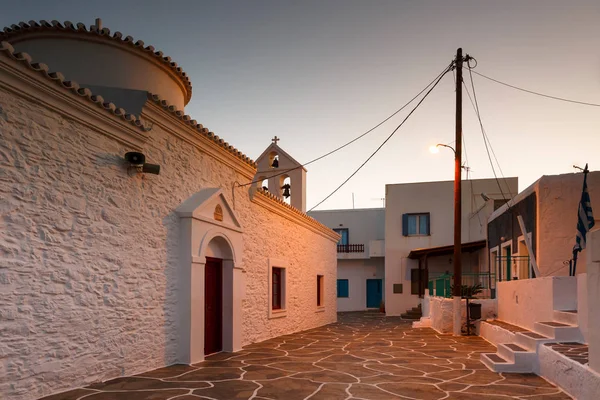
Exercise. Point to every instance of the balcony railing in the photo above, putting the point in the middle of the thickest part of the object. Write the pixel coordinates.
(441, 286)
(350, 248)
(514, 267)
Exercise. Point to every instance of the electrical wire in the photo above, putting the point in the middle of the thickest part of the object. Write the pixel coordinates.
(536, 93)
(475, 105)
(441, 74)
(387, 139)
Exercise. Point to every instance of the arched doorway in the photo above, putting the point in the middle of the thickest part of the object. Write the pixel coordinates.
(211, 277)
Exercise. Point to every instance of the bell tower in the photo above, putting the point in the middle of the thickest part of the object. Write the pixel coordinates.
(281, 175)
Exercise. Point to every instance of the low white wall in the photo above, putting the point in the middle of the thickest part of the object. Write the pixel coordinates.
(441, 311)
(582, 306)
(495, 334)
(574, 378)
(593, 296)
(426, 305)
(524, 302)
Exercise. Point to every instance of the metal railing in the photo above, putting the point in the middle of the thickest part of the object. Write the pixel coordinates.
(350, 248)
(441, 286)
(514, 267)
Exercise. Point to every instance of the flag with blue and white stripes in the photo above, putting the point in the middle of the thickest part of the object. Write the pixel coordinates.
(585, 218)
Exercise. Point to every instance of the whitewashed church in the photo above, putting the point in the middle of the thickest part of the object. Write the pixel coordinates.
(129, 238)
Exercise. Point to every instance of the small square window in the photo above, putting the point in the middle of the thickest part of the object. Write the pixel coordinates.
(320, 290)
(342, 288)
(415, 224)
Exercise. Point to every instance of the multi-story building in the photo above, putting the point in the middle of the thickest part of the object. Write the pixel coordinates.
(360, 255)
(419, 234)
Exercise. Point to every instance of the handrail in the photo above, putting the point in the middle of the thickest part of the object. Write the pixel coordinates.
(350, 248)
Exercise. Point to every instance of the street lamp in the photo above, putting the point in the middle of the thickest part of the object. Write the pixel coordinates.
(457, 315)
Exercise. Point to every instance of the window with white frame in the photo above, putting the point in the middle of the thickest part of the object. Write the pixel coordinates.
(277, 288)
(320, 291)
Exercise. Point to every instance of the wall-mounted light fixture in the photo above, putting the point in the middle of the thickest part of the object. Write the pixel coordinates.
(137, 161)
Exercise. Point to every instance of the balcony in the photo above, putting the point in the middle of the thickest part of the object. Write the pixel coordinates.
(351, 251)
(350, 248)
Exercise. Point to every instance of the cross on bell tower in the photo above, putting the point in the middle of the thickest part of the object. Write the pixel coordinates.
(281, 175)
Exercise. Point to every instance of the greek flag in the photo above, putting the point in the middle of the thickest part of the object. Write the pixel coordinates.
(585, 218)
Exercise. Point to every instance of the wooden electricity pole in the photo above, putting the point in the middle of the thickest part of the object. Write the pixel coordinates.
(457, 198)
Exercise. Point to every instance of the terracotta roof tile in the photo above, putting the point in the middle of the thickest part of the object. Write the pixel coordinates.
(72, 86)
(186, 119)
(23, 28)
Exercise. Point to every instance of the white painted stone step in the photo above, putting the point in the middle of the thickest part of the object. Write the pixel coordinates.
(531, 340)
(514, 353)
(566, 317)
(498, 364)
(559, 331)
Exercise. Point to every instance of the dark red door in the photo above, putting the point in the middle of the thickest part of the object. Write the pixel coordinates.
(213, 306)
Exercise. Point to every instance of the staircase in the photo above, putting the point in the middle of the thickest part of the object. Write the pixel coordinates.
(414, 313)
(521, 356)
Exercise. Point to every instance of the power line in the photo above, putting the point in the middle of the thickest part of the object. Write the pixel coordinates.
(360, 136)
(475, 105)
(487, 140)
(387, 139)
(536, 93)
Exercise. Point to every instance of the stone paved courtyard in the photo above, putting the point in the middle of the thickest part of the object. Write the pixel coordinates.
(363, 356)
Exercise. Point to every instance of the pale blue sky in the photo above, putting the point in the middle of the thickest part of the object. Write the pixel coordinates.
(319, 73)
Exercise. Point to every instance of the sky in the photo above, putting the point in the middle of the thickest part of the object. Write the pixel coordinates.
(320, 73)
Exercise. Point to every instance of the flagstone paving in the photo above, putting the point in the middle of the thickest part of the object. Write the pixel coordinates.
(362, 356)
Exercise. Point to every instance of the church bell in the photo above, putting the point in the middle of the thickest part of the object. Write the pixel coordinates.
(286, 190)
(275, 163)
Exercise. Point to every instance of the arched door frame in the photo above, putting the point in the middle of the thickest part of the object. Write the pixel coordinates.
(197, 231)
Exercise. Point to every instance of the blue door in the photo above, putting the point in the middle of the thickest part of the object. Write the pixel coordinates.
(374, 293)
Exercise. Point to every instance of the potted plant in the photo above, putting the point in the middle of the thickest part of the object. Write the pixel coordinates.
(473, 309)
(382, 306)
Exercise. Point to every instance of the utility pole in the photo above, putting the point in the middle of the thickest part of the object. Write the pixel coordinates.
(457, 198)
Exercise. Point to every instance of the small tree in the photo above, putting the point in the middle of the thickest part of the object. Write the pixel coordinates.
(469, 291)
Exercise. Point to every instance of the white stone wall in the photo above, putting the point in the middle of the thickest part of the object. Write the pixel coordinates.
(441, 312)
(89, 254)
(527, 301)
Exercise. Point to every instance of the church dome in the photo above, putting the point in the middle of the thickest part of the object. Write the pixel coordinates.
(109, 64)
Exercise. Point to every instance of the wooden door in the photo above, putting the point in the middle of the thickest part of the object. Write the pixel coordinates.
(374, 293)
(213, 306)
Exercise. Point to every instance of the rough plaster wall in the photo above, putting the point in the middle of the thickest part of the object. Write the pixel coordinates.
(89, 254)
(308, 255)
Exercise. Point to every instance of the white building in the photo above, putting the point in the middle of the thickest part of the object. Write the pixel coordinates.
(107, 271)
(419, 234)
(549, 209)
(360, 254)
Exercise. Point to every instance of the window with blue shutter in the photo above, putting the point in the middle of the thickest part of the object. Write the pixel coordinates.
(416, 224)
(342, 288)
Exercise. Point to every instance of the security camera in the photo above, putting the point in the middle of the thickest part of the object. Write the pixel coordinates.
(138, 162)
(135, 159)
